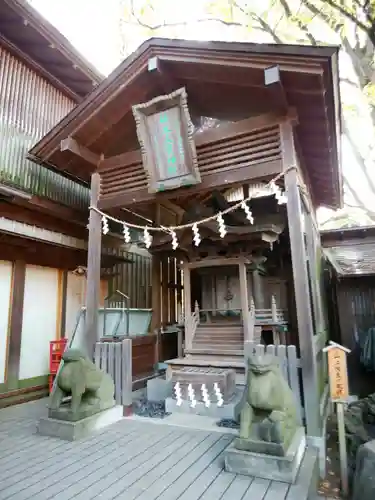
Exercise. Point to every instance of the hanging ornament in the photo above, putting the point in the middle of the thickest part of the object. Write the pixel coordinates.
(147, 238)
(126, 233)
(246, 209)
(105, 228)
(196, 237)
(174, 240)
(221, 223)
(279, 195)
(283, 199)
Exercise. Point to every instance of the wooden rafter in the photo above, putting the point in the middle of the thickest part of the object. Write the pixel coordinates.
(71, 145)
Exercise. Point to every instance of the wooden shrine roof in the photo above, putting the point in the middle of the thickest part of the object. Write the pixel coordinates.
(32, 38)
(223, 81)
(351, 251)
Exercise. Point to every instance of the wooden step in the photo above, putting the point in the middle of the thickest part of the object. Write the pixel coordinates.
(238, 342)
(222, 345)
(221, 351)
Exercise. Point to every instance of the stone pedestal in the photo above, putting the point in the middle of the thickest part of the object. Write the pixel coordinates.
(74, 430)
(267, 466)
(196, 376)
(229, 410)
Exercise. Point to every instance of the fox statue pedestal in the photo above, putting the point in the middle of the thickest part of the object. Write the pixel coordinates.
(82, 400)
(271, 442)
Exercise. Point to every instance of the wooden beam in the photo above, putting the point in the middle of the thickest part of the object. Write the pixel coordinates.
(93, 270)
(15, 324)
(221, 261)
(71, 145)
(248, 335)
(251, 124)
(262, 171)
(301, 284)
(155, 293)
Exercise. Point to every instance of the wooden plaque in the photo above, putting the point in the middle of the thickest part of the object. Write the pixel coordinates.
(165, 134)
(338, 374)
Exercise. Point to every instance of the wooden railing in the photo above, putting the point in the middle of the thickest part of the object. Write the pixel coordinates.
(191, 323)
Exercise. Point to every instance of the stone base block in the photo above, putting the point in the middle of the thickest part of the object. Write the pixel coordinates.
(229, 410)
(225, 378)
(72, 431)
(276, 468)
(158, 389)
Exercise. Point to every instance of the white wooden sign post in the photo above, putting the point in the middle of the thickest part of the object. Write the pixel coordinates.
(339, 389)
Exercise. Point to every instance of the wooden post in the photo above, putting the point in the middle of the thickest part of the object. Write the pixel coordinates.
(339, 389)
(15, 325)
(156, 293)
(258, 290)
(93, 270)
(164, 291)
(302, 296)
(248, 335)
(187, 304)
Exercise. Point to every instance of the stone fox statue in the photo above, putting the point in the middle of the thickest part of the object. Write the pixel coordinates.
(269, 410)
(91, 389)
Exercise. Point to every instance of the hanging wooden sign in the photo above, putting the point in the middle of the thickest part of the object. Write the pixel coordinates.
(165, 134)
(338, 373)
(339, 386)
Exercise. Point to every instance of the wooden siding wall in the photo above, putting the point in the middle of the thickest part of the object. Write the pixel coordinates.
(29, 107)
(232, 152)
(356, 299)
(171, 287)
(149, 350)
(133, 279)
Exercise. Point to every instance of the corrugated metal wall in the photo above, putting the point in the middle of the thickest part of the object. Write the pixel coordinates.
(356, 305)
(29, 108)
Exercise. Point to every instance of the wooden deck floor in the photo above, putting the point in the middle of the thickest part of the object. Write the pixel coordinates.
(129, 460)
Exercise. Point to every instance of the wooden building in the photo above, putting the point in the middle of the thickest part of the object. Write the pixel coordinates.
(182, 133)
(350, 289)
(43, 215)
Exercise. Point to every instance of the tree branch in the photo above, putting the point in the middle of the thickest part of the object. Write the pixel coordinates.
(348, 15)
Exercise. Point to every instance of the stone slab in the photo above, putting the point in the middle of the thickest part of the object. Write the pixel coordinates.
(73, 431)
(264, 466)
(159, 389)
(196, 376)
(230, 409)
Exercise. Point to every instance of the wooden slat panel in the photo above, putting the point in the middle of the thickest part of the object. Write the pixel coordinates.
(243, 150)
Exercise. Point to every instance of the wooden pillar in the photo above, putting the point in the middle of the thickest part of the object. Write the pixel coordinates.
(15, 325)
(164, 291)
(302, 297)
(93, 270)
(258, 290)
(172, 289)
(187, 305)
(187, 290)
(248, 335)
(155, 293)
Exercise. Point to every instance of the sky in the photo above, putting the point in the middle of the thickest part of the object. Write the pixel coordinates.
(95, 30)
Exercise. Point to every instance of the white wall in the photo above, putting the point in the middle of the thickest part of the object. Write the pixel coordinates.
(75, 299)
(40, 322)
(5, 294)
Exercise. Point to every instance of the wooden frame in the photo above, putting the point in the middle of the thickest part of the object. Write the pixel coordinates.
(166, 119)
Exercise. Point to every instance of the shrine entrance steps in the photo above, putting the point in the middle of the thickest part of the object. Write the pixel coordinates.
(220, 342)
